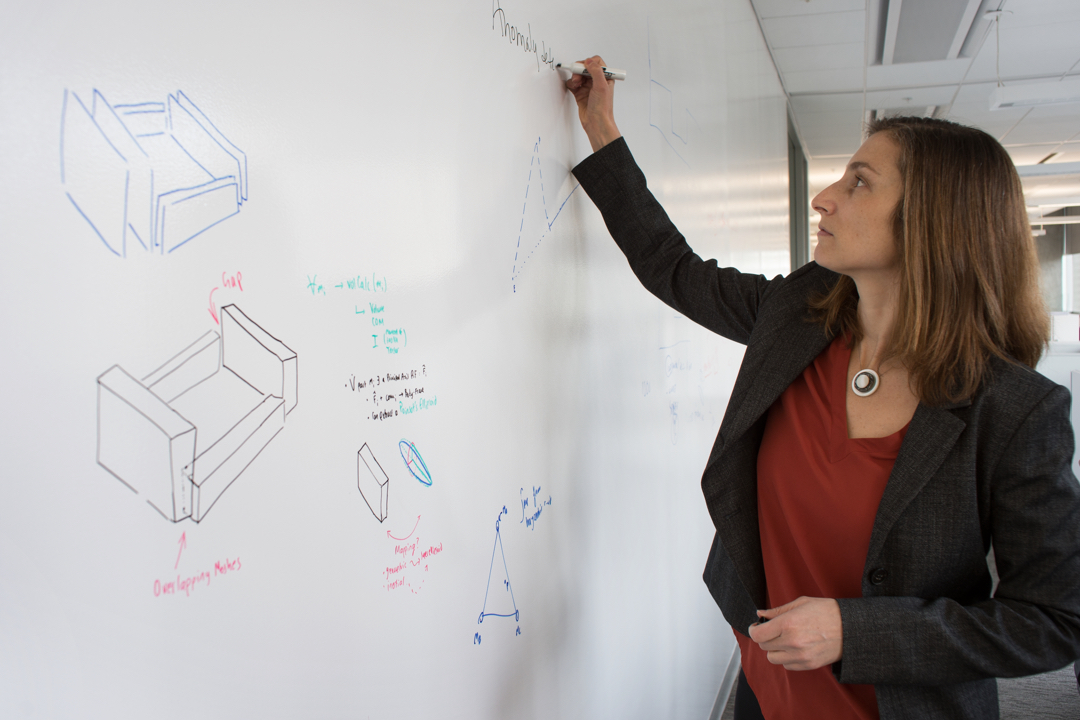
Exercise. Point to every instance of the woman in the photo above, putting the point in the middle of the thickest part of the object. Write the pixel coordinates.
(885, 430)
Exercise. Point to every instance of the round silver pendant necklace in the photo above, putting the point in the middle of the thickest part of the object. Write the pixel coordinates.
(865, 382)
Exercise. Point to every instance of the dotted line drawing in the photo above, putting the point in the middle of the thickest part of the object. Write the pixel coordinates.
(534, 165)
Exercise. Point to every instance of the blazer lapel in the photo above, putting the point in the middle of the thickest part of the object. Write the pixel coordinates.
(783, 344)
(729, 489)
(930, 438)
(793, 348)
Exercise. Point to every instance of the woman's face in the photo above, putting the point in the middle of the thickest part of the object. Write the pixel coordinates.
(855, 234)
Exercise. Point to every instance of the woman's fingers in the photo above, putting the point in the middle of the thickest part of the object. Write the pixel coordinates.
(805, 634)
(593, 93)
(780, 610)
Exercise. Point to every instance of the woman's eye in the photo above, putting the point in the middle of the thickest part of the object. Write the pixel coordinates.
(859, 182)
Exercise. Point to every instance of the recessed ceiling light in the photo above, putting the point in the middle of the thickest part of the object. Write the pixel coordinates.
(1055, 92)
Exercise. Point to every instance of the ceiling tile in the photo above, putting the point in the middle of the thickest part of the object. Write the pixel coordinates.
(832, 103)
(1029, 52)
(972, 107)
(828, 168)
(819, 81)
(976, 93)
(1069, 152)
(823, 77)
(829, 124)
(820, 57)
(992, 124)
(915, 98)
(845, 148)
(1052, 123)
(827, 28)
(1051, 190)
(1029, 154)
(1038, 13)
(937, 72)
(830, 142)
(781, 8)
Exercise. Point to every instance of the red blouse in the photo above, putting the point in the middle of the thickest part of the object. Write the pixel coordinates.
(818, 492)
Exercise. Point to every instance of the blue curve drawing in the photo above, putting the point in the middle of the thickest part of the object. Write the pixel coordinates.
(411, 456)
(148, 176)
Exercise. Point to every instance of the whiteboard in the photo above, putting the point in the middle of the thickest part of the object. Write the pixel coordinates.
(327, 392)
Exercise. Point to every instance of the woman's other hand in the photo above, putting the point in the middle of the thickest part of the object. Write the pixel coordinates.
(805, 634)
(594, 94)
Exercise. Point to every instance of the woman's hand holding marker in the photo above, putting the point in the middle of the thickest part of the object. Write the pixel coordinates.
(594, 95)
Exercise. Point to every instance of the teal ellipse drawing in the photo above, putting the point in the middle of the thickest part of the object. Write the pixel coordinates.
(414, 462)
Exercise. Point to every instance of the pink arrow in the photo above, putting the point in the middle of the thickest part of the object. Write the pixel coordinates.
(212, 313)
(407, 536)
(183, 544)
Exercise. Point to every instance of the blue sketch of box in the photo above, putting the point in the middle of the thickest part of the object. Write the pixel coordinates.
(148, 176)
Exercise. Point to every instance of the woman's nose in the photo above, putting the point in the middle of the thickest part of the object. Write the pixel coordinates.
(823, 202)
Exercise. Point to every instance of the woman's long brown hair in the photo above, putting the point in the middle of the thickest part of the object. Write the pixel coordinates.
(969, 276)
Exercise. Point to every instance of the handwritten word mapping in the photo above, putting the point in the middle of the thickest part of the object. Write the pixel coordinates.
(410, 562)
(514, 36)
(187, 584)
(532, 506)
(394, 394)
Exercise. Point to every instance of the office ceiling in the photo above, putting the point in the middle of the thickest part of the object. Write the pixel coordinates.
(842, 61)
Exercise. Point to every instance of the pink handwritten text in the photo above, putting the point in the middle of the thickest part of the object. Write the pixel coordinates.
(412, 562)
(188, 584)
(228, 282)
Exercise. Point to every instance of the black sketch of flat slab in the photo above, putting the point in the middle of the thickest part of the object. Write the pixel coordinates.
(181, 435)
(373, 482)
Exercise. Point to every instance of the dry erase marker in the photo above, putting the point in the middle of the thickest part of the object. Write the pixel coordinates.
(579, 69)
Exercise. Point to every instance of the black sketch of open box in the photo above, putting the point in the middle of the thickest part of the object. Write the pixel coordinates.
(181, 435)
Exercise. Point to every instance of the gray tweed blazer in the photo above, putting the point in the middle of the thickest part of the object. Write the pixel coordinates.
(929, 632)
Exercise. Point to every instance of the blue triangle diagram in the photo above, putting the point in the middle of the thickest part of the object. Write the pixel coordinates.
(499, 597)
(534, 190)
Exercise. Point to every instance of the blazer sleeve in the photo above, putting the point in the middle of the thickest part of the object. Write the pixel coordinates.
(1032, 623)
(720, 299)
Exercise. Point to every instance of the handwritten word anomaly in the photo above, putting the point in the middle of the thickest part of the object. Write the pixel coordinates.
(188, 584)
(543, 54)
